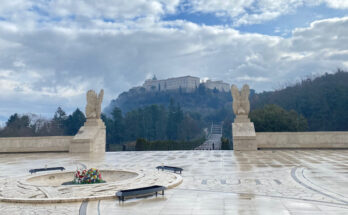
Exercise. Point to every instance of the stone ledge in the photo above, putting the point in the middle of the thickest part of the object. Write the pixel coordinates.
(144, 178)
(36, 138)
(302, 140)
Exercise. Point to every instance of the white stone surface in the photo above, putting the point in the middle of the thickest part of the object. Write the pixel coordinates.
(56, 179)
(47, 188)
(214, 182)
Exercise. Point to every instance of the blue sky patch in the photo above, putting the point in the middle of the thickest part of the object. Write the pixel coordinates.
(280, 26)
(283, 25)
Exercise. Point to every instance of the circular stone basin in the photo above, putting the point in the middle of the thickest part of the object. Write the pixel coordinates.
(57, 179)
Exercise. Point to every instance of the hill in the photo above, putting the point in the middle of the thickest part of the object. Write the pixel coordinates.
(323, 101)
(202, 100)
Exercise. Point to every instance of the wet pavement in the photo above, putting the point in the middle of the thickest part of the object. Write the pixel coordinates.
(214, 182)
(213, 142)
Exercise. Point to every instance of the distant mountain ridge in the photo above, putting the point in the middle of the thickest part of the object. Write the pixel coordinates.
(190, 92)
(201, 100)
(323, 101)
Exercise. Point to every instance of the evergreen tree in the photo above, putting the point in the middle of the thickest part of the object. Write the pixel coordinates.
(274, 118)
(58, 122)
(175, 116)
(322, 101)
(18, 126)
(109, 129)
(17, 122)
(74, 122)
(117, 126)
(132, 125)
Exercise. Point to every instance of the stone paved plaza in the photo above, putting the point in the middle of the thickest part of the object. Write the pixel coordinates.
(214, 182)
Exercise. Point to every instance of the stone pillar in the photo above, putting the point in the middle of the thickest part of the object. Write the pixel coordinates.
(243, 131)
(92, 135)
(244, 136)
(90, 138)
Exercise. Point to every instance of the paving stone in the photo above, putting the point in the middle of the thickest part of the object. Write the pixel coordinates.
(214, 182)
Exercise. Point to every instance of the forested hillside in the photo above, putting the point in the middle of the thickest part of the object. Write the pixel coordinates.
(318, 104)
(202, 100)
(154, 122)
(29, 125)
(323, 101)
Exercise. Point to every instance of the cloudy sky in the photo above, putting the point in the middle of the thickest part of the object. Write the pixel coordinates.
(53, 51)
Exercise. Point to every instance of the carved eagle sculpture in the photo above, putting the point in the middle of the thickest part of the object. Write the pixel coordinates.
(93, 107)
(241, 104)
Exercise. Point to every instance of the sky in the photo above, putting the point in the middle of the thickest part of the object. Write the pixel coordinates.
(53, 51)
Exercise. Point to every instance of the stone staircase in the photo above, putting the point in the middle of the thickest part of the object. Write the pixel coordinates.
(213, 141)
(216, 128)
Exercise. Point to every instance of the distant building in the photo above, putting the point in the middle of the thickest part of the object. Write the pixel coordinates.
(186, 83)
(219, 85)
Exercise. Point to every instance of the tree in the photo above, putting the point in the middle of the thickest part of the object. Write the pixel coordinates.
(117, 126)
(59, 114)
(132, 125)
(152, 123)
(109, 128)
(189, 128)
(322, 100)
(273, 118)
(175, 116)
(58, 121)
(18, 126)
(43, 127)
(140, 144)
(201, 89)
(17, 122)
(225, 144)
(74, 122)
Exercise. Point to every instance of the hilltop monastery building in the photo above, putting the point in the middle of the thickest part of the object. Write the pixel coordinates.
(185, 83)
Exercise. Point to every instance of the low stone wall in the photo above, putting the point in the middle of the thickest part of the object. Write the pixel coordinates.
(302, 140)
(35, 144)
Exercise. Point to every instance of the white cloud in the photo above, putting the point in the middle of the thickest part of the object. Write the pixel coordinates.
(246, 12)
(338, 4)
(82, 12)
(323, 35)
(252, 79)
(44, 65)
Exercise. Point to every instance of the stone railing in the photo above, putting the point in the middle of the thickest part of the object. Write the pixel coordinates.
(35, 144)
(89, 139)
(302, 140)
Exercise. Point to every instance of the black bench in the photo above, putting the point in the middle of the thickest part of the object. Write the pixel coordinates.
(139, 191)
(46, 169)
(172, 168)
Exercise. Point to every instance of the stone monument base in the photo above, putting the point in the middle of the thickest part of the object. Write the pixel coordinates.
(244, 136)
(90, 138)
(242, 119)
